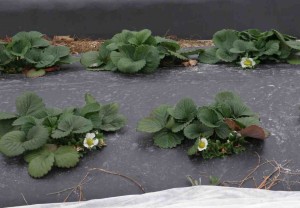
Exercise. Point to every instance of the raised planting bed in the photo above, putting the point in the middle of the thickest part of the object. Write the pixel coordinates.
(270, 90)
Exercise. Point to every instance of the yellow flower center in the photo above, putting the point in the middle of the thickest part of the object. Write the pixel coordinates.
(201, 144)
(90, 142)
(248, 62)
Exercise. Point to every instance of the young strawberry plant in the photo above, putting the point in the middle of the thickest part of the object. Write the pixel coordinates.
(52, 137)
(133, 52)
(30, 53)
(251, 47)
(216, 130)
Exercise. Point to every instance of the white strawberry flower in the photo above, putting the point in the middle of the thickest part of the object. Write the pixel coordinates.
(247, 62)
(202, 145)
(90, 141)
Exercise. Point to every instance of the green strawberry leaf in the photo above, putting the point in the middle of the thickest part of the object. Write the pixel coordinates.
(208, 117)
(185, 110)
(157, 121)
(19, 47)
(5, 126)
(272, 47)
(294, 59)
(39, 42)
(120, 39)
(241, 46)
(39, 59)
(161, 113)
(190, 51)
(208, 56)
(166, 139)
(127, 65)
(195, 130)
(72, 124)
(150, 125)
(36, 137)
(91, 59)
(248, 121)
(27, 35)
(89, 99)
(5, 116)
(23, 120)
(294, 44)
(109, 109)
(108, 118)
(194, 149)
(140, 37)
(16, 142)
(67, 60)
(177, 55)
(226, 96)
(178, 126)
(66, 157)
(90, 108)
(240, 109)
(222, 130)
(231, 106)
(169, 44)
(35, 38)
(5, 56)
(224, 109)
(11, 144)
(27, 122)
(50, 122)
(57, 51)
(29, 104)
(226, 56)
(150, 55)
(224, 39)
(40, 162)
(113, 123)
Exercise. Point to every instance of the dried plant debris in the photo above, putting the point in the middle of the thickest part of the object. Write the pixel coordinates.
(78, 189)
(266, 174)
(190, 62)
(82, 45)
(76, 45)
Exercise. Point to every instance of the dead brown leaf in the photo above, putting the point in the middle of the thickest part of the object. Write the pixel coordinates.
(190, 62)
(65, 38)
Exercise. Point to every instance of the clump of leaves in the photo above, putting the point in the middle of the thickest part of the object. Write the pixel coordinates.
(134, 51)
(231, 46)
(49, 137)
(217, 130)
(30, 53)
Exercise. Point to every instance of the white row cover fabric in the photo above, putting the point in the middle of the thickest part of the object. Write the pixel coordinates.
(192, 197)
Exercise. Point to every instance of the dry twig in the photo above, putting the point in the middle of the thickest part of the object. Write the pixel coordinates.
(269, 181)
(79, 186)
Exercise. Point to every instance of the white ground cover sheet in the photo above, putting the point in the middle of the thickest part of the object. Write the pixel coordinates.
(196, 196)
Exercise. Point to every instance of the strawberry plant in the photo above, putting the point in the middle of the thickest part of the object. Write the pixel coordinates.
(133, 52)
(52, 137)
(216, 130)
(251, 47)
(30, 53)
